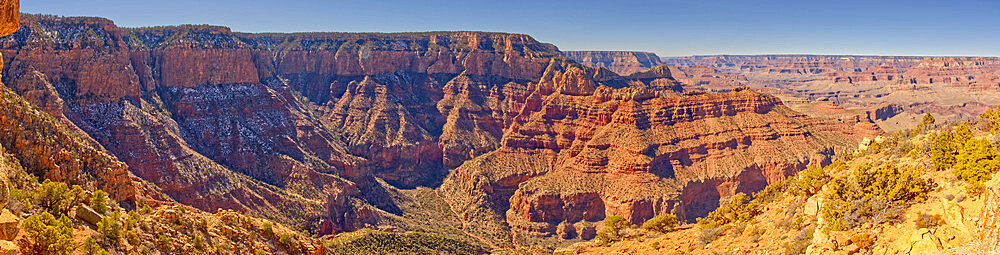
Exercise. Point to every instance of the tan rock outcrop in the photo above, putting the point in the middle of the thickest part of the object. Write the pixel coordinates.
(8, 248)
(989, 222)
(88, 215)
(10, 16)
(10, 225)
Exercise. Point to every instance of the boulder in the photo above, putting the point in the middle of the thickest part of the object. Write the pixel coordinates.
(88, 214)
(812, 205)
(8, 248)
(10, 224)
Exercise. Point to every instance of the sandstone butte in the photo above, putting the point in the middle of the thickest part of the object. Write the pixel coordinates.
(620, 62)
(521, 143)
(692, 76)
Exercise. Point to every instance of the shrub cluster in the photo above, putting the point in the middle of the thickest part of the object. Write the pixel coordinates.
(110, 228)
(991, 119)
(49, 235)
(943, 149)
(740, 209)
(57, 197)
(800, 242)
(924, 220)
(661, 223)
(708, 235)
(99, 201)
(50, 230)
(809, 181)
(613, 227)
(946, 145)
(873, 195)
(90, 246)
(926, 123)
(976, 161)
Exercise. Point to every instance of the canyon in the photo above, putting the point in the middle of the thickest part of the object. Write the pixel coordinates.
(198, 139)
(951, 88)
(890, 92)
(805, 215)
(365, 130)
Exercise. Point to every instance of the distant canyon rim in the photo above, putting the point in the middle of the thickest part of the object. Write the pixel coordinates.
(950, 88)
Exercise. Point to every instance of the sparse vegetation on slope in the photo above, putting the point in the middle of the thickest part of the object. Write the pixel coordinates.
(48, 234)
(741, 208)
(48, 149)
(810, 180)
(873, 194)
(661, 223)
(613, 229)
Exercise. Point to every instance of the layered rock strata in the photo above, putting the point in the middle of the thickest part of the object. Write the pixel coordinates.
(261, 122)
(951, 88)
(9, 16)
(529, 139)
(579, 158)
(620, 62)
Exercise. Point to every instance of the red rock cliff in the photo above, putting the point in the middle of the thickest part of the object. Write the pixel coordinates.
(217, 119)
(263, 122)
(570, 159)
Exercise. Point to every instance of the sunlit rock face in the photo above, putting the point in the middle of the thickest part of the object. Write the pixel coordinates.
(10, 17)
(621, 62)
(950, 88)
(508, 128)
(579, 158)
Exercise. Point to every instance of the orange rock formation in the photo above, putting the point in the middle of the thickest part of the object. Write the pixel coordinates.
(262, 122)
(9, 16)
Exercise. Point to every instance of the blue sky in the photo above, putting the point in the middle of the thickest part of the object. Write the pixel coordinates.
(668, 28)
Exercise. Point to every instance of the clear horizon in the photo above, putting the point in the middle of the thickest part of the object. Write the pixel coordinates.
(667, 28)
